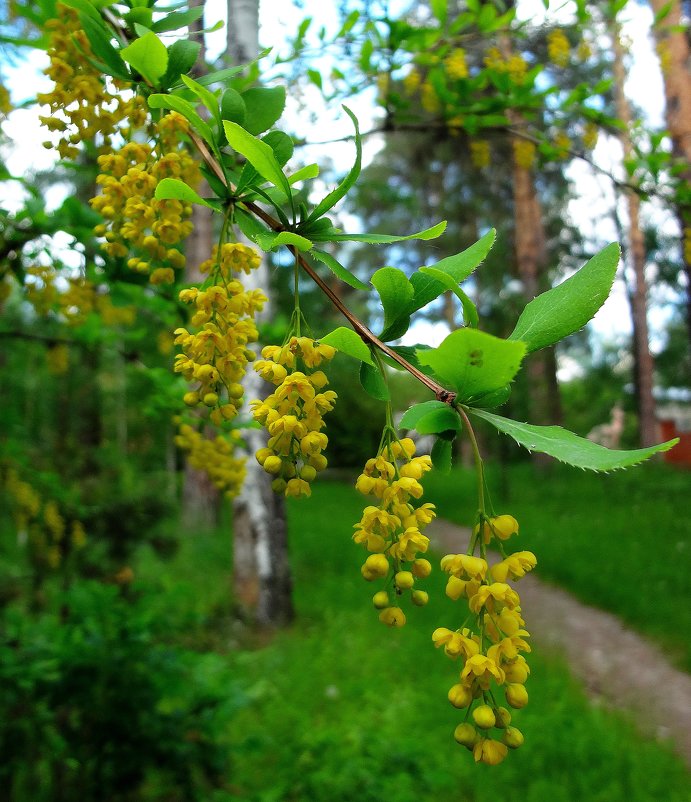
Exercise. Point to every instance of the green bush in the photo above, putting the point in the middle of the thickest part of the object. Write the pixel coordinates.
(92, 706)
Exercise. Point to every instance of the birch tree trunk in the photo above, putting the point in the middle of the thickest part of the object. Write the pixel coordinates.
(675, 59)
(261, 571)
(643, 361)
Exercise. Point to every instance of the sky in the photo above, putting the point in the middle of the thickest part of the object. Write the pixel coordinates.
(590, 209)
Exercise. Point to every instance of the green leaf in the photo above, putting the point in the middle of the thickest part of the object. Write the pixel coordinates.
(148, 56)
(141, 17)
(270, 241)
(338, 270)
(206, 96)
(493, 399)
(472, 363)
(568, 447)
(346, 341)
(184, 107)
(264, 107)
(470, 315)
(218, 76)
(281, 144)
(249, 225)
(304, 173)
(373, 382)
(258, 154)
(233, 106)
(395, 292)
(568, 307)
(439, 420)
(442, 453)
(84, 7)
(427, 234)
(333, 197)
(99, 38)
(417, 411)
(178, 19)
(461, 265)
(439, 9)
(173, 188)
(182, 56)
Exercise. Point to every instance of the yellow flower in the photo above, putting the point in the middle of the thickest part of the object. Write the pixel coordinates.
(493, 597)
(558, 47)
(455, 64)
(392, 617)
(489, 751)
(480, 669)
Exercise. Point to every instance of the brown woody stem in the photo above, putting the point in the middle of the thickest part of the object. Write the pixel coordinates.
(441, 393)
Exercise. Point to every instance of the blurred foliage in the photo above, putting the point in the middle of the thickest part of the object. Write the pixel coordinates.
(95, 707)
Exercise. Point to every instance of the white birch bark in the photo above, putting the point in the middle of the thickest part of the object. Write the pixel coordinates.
(261, 570)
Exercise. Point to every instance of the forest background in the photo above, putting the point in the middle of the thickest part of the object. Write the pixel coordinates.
(132, 664)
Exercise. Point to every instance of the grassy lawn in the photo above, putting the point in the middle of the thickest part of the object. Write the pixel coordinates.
(618, 541)
(339, 708)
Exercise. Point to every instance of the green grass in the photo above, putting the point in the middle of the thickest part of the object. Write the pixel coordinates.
(618, 541)
(338, 708)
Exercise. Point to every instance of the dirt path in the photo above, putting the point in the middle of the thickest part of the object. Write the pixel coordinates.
(616, 665)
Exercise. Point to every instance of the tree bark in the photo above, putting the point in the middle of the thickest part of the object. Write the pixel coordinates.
(531, 260)
(675, 57)
(643, 361)
(261, 570)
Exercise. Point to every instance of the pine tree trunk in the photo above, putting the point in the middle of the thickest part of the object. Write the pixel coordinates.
(643, 371)
(675, 57)
(531, 260)
(261, 570)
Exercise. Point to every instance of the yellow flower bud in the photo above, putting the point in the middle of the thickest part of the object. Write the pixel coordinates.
(404, 580)
(308, 473)
(419, 598)
(466, 735)
(484, 717)
(513, 737)
(380, 599)
(503, 718)
(211, 399)
(191, 399)
(279, 485)
(376, 566)
(516, 695)
(273, 464)
(262, 455)
(460, 696)
(421, 568)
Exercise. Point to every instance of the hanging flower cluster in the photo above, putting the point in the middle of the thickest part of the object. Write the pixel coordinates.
(490, 649)
(49, 534)
(215, 357)
(137, 225)
(558, 47)
(524, 153)
(83, 107)
(590, 135)
(72, 298)
(456, 65)
(215, 457)
(480, 153)
(293, 413)
(392, 530)
(515, 66)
